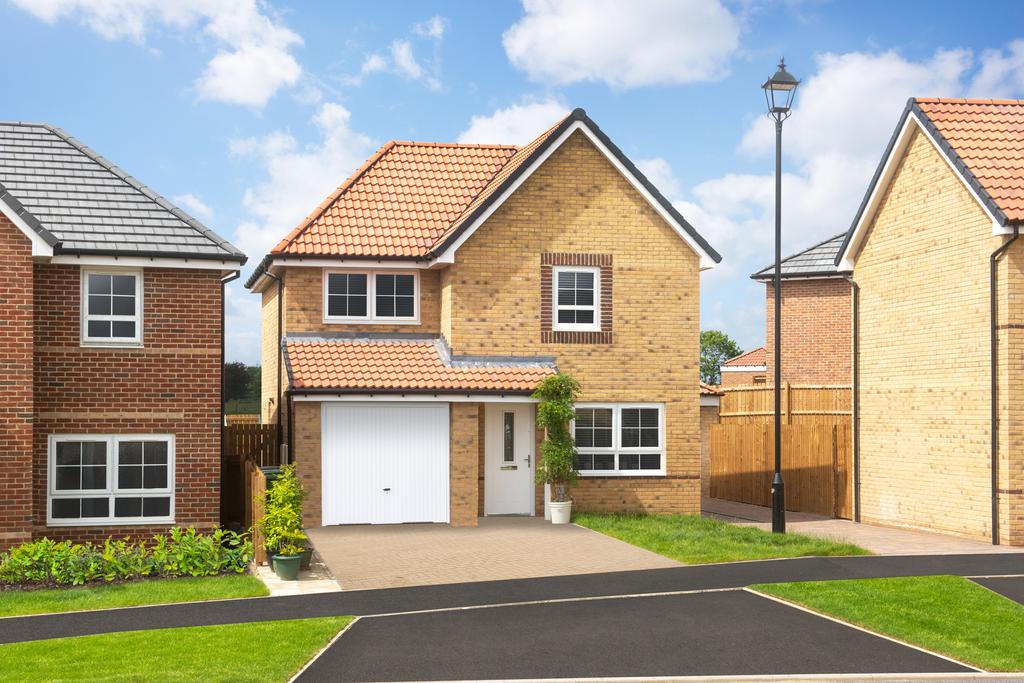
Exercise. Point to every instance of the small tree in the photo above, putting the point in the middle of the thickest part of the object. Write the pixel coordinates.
(557, 395)
(715, 348)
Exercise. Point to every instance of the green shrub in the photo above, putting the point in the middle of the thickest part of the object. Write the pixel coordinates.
(281, 523)
(183, 552)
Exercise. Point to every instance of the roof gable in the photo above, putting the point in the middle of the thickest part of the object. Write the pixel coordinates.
(421, 201)
(816, 261)
(982, 141)
(77, 202)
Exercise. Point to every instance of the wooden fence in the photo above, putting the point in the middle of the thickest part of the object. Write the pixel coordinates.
(251, 440)
(254, 485)
(817, 448)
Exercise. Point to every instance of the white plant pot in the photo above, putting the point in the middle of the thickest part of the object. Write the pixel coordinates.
(561, 513)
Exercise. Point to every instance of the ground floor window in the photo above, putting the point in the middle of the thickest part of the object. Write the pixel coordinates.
(110, 479)
(620, 439)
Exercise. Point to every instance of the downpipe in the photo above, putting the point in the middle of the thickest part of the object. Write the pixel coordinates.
(994, 369)
(855, 288)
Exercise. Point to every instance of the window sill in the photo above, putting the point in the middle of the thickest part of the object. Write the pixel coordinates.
(363, 321)
(111, 345)
(612, 474)
(110, 523)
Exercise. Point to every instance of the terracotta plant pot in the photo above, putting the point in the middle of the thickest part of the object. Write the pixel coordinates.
(287, 566)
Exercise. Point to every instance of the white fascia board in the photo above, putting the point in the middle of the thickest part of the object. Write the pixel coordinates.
(710, 401)
(362, 264)
(888, 171)
(417, 398)
(448, 256)
(744, 368)
(39, 245)
(144, 262)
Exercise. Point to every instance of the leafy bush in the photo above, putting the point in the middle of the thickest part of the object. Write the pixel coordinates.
(557, 395)
(281, 523)
(183, 552)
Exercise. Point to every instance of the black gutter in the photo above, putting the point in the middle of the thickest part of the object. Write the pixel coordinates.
(817, 275)
(856, 397)
(240, 259)
(277, 399)
(994, 368)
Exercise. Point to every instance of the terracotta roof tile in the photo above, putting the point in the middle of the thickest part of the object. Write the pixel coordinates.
(709, 390)
(988, 135)
(406, 199)
(393, 365)
(758, 356)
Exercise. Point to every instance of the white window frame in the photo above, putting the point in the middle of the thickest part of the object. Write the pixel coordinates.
(371, 317)
(617, 449)
(111, 492)
(86, 340)
(555, 307)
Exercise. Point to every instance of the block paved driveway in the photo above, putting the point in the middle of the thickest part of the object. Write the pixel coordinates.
(396, 555)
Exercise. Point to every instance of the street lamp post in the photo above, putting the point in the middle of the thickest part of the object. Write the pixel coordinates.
(778, 93)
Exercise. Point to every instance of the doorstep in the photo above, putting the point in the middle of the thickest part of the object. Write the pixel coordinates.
(316, 579)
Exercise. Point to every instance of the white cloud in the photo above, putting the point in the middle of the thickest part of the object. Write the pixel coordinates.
(253, 59)
(1002, 73)
(194, 205)
(623, 44)
(516, 125)
(434, 27)
(401, 57)
(297, 178)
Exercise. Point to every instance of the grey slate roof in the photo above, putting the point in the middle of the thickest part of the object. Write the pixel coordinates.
(819, 260)
(80, 203)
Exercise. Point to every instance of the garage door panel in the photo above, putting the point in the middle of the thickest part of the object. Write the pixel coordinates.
(385, 463)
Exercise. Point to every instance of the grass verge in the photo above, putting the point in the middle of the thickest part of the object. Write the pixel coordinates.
(699, 540)
(145, 592)
(945, 614)
(261, 651)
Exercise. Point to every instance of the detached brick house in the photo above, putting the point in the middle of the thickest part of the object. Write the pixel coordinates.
(816, 317)
(408, 318)
(939, 268)
(110, 348)
(745, 369)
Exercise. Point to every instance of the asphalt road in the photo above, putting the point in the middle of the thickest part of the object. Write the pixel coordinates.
(722, 633)
(701, 577)
(1012, 587)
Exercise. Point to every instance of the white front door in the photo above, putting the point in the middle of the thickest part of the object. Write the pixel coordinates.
(384, 463)
(508, 459)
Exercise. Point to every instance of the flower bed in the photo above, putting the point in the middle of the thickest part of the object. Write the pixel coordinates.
(182, 552)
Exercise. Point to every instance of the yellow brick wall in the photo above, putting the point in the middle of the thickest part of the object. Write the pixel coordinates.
(465, 463)
(307, 459)
(578, 203)
(304, 293)
(924, 349)
(269, 355)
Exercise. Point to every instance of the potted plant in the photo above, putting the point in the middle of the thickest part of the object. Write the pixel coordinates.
(557, 467)
(281, 523)
(289, 557)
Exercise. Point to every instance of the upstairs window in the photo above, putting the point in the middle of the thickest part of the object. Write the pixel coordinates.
(111, 307)
(371, 297)
(577, 297)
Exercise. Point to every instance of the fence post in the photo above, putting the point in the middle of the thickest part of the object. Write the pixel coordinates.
(789, 403)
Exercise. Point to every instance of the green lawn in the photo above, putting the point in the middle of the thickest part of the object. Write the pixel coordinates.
(262, 651)
(145, 592)
(698, 540)
(945, 614)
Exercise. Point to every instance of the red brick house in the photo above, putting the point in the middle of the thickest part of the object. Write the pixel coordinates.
(111, 348)
(745, 369)
(817, 316)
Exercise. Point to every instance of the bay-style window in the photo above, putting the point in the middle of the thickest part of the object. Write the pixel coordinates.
(577, 298)
(117, 479)
(620, 439)
(111, 307)
(371, 297)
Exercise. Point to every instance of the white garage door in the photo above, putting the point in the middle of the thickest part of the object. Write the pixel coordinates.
(385, 463)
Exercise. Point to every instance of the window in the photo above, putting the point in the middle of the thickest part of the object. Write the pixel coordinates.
(576, 292)
(111, 307)
(121, 479)
(371, 296)
(620, 439)
(509, 444)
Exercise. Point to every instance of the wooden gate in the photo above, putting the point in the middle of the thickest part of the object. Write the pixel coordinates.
(816, 448)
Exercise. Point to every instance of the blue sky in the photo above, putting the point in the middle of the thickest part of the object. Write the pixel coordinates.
(248, 113)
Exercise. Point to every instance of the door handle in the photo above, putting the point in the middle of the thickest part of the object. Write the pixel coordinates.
(527, 459)
(387, 490)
